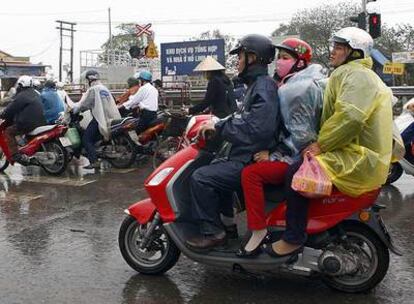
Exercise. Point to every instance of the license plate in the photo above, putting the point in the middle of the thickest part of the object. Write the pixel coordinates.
(65, 141)
(134, 136)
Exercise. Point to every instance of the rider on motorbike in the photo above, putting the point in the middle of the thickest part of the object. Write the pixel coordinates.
(146, 99)
(52, 103)
(220, 92)
(23, 114)
(251, 131)
(98, 99)
(355, 140)
(301, 98)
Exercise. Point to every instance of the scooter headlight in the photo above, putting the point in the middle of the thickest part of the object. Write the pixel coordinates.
(160, 176)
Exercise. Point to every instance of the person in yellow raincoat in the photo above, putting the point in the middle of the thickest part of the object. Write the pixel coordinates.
(355, 138)
(354, 144)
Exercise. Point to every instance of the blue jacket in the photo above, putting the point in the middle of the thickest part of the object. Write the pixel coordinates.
(52, 105)
(257, 126)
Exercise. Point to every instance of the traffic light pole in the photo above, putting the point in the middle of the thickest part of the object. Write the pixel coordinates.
(364, 10)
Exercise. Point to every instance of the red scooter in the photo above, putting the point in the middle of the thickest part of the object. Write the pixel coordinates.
(348, 243)
(45, 145)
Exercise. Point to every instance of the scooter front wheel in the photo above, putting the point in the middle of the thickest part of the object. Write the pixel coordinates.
(157, 257)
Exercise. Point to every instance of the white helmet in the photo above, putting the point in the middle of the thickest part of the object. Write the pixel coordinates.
(36, 83)
(60, 85)
(25, 81)
(356, 38)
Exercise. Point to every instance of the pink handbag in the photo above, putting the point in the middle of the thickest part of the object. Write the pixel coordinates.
(311, 180)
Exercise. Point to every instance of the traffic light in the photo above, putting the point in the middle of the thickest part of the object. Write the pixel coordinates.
(136, 52)
(361, 19)
(374, 21)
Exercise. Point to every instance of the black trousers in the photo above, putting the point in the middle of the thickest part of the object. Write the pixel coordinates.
(145, 119)
(212, 188)
(297, 209)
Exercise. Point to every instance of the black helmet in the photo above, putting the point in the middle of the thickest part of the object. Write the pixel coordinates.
(92, 75)
(259, 45)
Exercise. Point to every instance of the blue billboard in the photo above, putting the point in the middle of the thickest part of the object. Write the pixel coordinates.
(180, 58)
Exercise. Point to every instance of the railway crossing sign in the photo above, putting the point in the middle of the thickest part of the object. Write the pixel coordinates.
(143, 29)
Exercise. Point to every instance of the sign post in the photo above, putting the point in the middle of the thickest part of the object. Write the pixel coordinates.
(394, 68)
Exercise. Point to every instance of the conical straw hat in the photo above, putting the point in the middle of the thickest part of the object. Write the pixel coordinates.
(209, 64)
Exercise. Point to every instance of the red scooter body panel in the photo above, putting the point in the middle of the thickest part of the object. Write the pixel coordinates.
(142, 211)
(33, 145)
(151, 133)
(157, 192)
(325, 213)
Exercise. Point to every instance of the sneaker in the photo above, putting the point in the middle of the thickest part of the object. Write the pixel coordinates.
(94, 165)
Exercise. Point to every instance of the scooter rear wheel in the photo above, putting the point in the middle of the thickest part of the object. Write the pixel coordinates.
(158, 257)
(373, 264)
(4, 163)
(125, 146)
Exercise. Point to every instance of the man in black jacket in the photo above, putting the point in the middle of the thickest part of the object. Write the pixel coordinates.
(248, 132)
(220, 93)
(23, 114)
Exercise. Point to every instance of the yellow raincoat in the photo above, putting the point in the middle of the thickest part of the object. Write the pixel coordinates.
(356, 128)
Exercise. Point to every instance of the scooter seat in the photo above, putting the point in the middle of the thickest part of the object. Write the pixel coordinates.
(155, 122)
(41, 129)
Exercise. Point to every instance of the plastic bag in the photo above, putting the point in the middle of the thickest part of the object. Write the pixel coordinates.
(311, 179)
(73, 135)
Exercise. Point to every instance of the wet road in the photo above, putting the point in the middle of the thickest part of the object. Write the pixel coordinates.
(58, 244)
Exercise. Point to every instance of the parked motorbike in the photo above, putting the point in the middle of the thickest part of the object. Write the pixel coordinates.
(119, 151)
(348, 244)
(405, 164)
(173, 138)
(45, 145)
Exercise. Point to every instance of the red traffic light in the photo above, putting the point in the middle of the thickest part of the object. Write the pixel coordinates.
(374, 21)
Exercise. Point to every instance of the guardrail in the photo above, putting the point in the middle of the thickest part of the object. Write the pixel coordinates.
(403, 91)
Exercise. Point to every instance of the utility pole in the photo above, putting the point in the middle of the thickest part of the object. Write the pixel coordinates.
(62, 29)
(110, 35)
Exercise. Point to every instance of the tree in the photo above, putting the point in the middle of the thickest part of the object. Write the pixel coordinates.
(317, 25)
(124, 40)
(229, 43)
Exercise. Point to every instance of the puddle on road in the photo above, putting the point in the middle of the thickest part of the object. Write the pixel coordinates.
(122, 171)
(18, 197)
(52, 180)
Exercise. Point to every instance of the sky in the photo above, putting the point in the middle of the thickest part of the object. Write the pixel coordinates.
(28, 28)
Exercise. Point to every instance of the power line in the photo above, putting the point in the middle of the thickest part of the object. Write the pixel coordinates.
(219, 20)
(45, 49)
(12, 14)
